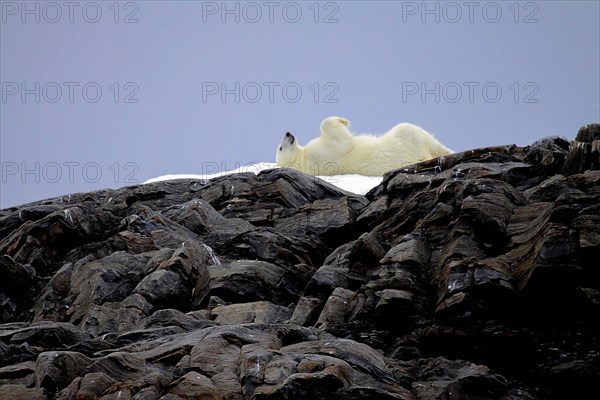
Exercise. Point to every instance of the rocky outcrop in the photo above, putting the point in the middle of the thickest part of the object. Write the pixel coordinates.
(472, 276)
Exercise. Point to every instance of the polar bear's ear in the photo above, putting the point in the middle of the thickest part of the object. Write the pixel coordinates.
(344, 121)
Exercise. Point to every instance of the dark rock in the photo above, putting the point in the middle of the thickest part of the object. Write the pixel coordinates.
(306, 311)
(588, 133)
(163, 287)
(22, 374)
(109, 279)
(16, 280)
(444, 379)
(56, 369)
(549, 155)
(21, 392)
(245, 281)
(90, 386)
(45, 334)
(260, 312)
(470, 276)
(194, 386)
(170, 317)
(574, 378)
(325, 280)
(336, 308)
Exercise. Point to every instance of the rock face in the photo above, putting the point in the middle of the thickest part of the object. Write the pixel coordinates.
(473, 276)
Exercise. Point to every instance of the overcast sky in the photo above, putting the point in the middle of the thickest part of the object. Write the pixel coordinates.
(105, 94)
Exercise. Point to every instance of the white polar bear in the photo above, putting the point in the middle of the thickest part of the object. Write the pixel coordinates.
(338, 152)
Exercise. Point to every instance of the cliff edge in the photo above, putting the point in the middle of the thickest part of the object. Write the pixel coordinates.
(473, 276)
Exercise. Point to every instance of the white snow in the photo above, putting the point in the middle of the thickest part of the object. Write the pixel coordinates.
(358, 184)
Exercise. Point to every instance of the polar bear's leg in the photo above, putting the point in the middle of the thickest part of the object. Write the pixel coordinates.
(439, 150)
(419, 142)
(335, 128)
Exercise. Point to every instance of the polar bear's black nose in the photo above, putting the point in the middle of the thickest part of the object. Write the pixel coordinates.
(289, 135)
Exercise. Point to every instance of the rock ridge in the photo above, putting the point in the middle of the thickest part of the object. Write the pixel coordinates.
(471, 276)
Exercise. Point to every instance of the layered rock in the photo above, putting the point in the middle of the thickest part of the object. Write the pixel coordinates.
(472, 276)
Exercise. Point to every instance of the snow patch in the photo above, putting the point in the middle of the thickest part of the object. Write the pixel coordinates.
(353, 183)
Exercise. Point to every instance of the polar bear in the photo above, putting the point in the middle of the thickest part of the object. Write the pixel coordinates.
(337, 151)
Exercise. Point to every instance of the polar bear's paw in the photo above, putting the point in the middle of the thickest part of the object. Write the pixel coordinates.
(335, 128)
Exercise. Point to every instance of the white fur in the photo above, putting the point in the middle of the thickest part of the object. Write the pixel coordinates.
(338, 151)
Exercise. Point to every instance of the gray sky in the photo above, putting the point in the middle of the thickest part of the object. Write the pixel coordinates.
(98, 95)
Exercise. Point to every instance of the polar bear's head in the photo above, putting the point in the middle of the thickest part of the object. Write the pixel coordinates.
(288, 152)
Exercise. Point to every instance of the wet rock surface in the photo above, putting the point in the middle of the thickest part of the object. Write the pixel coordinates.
(473, 276)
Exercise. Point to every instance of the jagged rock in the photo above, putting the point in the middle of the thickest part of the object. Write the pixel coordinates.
(44, 334)
(306, 311)
(549, 154)
(336, 308)
(21, 392)
(260, 312)
(90, 386)
(109, 279)
(574, 378)
(20, 278)
(56, 369)
(247, 280)
(338, 369)
(22, 374)
(194, 386)
(170, 317)
(588, 133)
(444, 379)
(121, 317)
(470, 276)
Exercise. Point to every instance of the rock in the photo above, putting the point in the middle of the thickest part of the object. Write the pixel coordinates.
(549, 154)
(164, 288)
(187, 265)
(363, 259)
(199, 217)
(444, 379)
(266, 244)
(90, 386)
(247, 280)
(261, 312)
(21, 374)
(470, 276)
(326, 280)
(109, 279)
(170, 317)
(20, 392)
(348, 266)
(56, 369)
(306, 311)
(20, 278)
(337, 368)
(336, 308)
(574, 378)
(588, 133)
(45, 334)
(121, 317)
(194, 386)
(331, 220)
